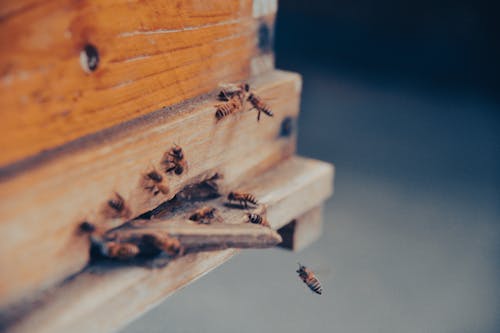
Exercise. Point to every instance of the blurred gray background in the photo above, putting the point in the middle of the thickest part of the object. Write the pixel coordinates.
(402, 97)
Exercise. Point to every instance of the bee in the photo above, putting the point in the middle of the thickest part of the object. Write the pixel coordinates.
(203, 215)
(120, 251)
(234, 104)
(170, 245)
(153, 183)
(231, 90)
(243, 198)
(259, 105)
(116, 207)
(175, 161)
(234, 97)
(309, 279)
(257, 219)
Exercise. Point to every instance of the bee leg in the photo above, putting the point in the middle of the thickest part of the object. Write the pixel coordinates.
(258, 115)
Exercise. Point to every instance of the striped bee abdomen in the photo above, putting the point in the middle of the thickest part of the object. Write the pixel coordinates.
(308, 277)
(243, 198)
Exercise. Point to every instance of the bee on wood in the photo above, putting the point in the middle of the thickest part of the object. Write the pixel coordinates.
(120, 251)
(308, 277)
(175, 160)
(234, 104)
(259, 105)
(242, 198)
(257, 219)
(203, 215)
(170, 245)
(153, 183)
(234, 97)
(116, 207)
(230, 90)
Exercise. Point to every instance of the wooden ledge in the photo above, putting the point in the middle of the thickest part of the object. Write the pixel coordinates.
(41, 208)
(105, 297)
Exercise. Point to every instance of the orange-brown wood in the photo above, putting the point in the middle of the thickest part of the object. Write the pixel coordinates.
(42, 205)
(152, 54)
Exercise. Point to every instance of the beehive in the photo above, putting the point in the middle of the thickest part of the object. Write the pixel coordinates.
(93, 95)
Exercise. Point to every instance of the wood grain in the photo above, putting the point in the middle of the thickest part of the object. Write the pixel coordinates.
(151, 54)
(104, 298)
(42, 206)
(195, 237)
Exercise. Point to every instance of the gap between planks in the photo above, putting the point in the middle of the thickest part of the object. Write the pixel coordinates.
(104, 299)
(41, 208)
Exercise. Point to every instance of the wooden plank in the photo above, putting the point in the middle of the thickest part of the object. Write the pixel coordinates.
(194, 237)
(303, 230)
(151, 55)
(104, 298)
(42, 204)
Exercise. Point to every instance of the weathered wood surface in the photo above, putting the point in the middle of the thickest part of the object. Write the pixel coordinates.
(152, 54)
(303, 230)
(41, 207)
(194, 237)
(104, 298)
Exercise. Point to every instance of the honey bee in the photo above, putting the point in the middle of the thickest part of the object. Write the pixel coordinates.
(175, 161)
(242, 198)
(257, 219)
(116, 207)
(259, 105)
(235, 100)
(120, 251)
(234, 104)
(170, 245)
(231, 90)
(309, 279)
(203, 215)
(153, 183)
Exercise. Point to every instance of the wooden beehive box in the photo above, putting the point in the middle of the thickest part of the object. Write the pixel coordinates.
(93, 95)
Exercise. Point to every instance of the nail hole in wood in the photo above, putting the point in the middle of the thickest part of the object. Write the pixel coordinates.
(265, 39)
(89, 58)
(287, 127)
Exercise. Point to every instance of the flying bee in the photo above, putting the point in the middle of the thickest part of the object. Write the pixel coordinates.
(259, 105)
(309, 279)
(203, 215)
(257, 219)
(175, 161)
(120, 251)
(170, 245)
(242, 198)
(153, 183)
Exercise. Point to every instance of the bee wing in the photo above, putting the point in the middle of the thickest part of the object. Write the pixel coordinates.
(227, 90)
